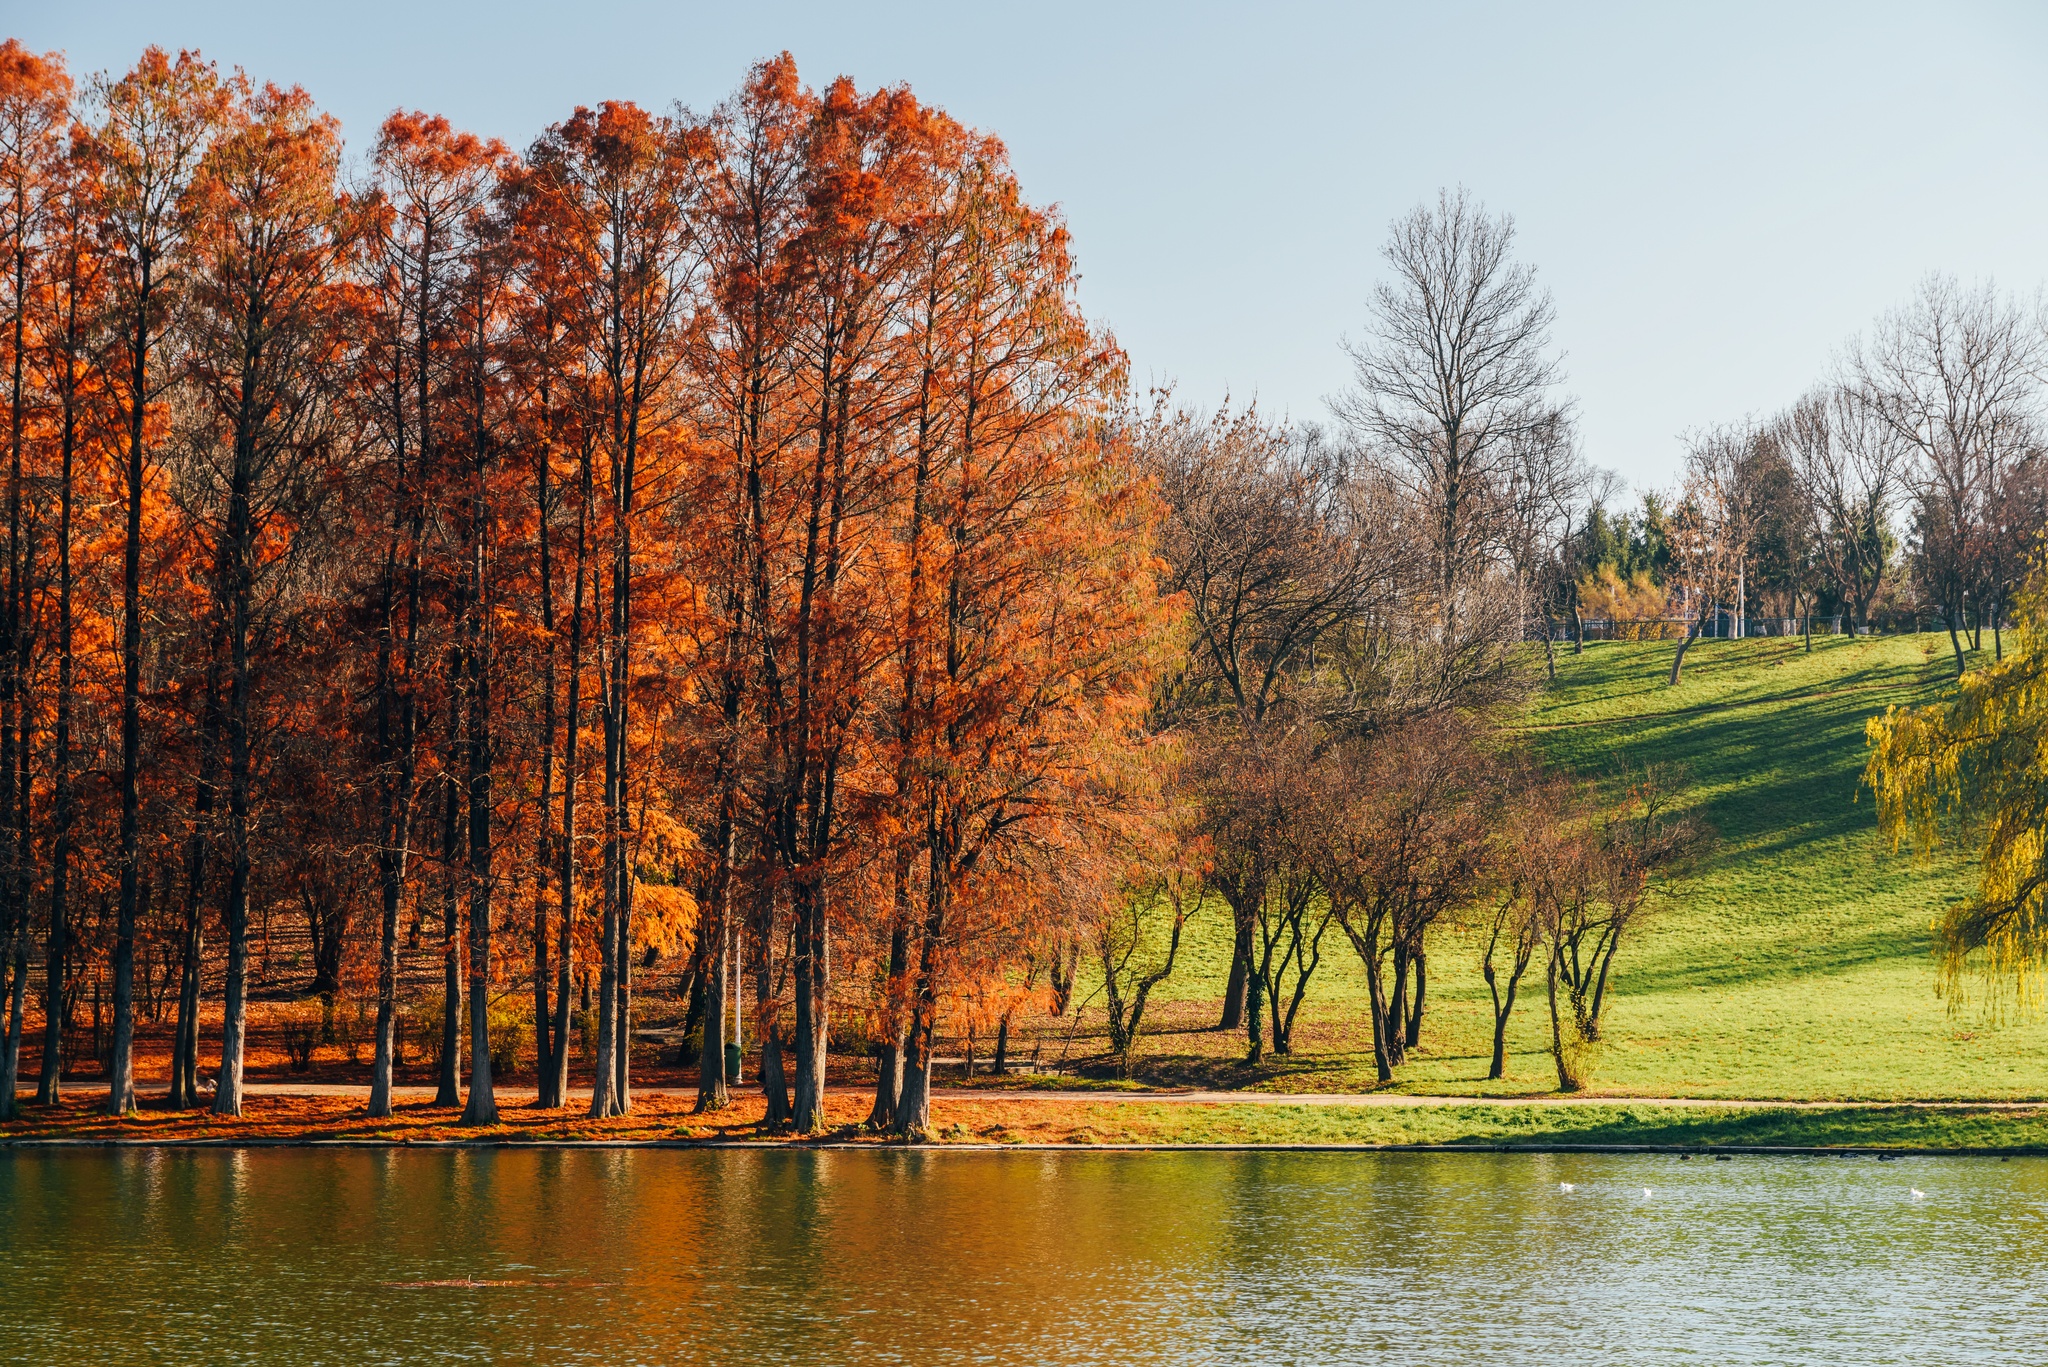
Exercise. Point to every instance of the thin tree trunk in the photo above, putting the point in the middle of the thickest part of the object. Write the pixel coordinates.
(1421, 961)
(1397, 1004)
(121, 1080)
(556, 1087)
(808, 1103)
(1685, 643)
(10, 1051)
(448, 1088)
(49, 1078)
(238, 546)
(711, 1089)
(62, 794)
(1383, 1063)
(185, 1041)
(483, 1102)
(889, 1067)
(767, 1025)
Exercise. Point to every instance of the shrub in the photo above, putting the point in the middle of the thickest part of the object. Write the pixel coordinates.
(351, 1028)
(301, 1037)
(511, 1041)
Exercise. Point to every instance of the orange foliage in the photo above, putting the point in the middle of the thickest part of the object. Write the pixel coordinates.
(702, 544)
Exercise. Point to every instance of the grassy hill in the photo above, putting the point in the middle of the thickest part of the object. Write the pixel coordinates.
(1795, 962)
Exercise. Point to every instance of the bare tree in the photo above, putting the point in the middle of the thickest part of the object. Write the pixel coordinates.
(1257, 541)
(1711, 530)
(1129, 971)
(1643, 840)
(1954, 377)
(1453, 379)
(1850, 466)
(1544, 861)
(1401, 836)
(1549, 487)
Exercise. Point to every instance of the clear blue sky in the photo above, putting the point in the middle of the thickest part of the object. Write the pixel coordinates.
(1718, 195)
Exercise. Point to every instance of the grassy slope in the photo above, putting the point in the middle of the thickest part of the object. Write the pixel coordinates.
(1793, 965)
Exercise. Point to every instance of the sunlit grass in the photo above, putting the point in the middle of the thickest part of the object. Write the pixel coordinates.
(1795, 964)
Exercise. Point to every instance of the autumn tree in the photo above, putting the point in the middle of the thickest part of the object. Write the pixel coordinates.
(621, 176)
(266, 235)
(752, 211)
(154, 126)
(34, 107)
(433, 180)
(1037, 638)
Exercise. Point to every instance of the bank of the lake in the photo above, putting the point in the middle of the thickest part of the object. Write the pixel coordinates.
(1079, 1120)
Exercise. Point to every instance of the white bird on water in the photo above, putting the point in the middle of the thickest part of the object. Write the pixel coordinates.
(1917, 1193)
(1646, 1193)
(1566, 1186)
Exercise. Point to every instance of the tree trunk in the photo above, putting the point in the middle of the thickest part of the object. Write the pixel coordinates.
(808, 1103)
(1421, 962)
(1397, 1007)
(49, 1078)
(448, 1089)
(914, 1106)
(1254, 993)
(1240, 968)
(774, 1085)
(62, 793)
(482, 1108)
(889, 1065)
(235, 587)
(121, 1080)
(555, 1088)
(10, 1049)
(1382, 1059)
(185, 1041)
(1685, 643)
(606, 1072)
(622, 1059)
(711, 1092)
(712, 936)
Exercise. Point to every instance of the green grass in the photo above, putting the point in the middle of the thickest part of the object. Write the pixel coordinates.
(1899, 1127)
(1794, 964)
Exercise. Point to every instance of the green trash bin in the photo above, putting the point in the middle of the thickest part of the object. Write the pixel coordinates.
(732, 1062)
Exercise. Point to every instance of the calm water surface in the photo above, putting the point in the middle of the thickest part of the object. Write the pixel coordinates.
(308, 1256)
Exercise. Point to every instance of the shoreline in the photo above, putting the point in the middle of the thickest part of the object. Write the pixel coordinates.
(1882, 1153)
(967, 1120)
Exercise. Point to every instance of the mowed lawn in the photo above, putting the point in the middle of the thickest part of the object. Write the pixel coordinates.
(1794, 964)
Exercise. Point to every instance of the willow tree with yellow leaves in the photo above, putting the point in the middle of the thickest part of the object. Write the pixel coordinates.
(1968, 770)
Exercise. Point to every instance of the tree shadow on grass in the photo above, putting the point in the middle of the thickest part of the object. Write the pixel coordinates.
(1885, 1126)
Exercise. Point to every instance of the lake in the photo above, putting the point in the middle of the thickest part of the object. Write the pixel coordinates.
(719, 1256)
